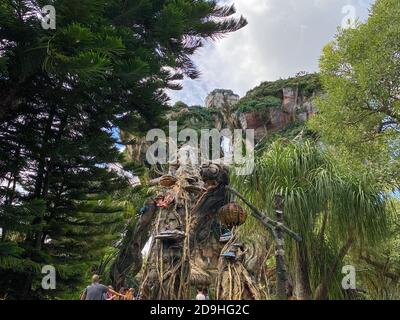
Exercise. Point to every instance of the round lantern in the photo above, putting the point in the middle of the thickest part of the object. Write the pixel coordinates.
(232, 215)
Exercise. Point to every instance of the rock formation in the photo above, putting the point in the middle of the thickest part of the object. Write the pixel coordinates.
(292, 103)
(295, 107)
(221, 98)
(224, 102)
(268, 108)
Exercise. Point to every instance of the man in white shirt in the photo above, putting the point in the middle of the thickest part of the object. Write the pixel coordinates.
(200, 295)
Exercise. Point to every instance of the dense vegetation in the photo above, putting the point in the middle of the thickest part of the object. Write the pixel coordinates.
(340, 213)
(194, 117)
(66, 194)
(269, 94)
(360, 76)
(339, 177)
(259, 104)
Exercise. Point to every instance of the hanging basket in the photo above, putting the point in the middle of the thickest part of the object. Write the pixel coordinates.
(232, 215)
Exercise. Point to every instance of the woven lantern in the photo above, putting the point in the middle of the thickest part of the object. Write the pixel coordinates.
(232, 215)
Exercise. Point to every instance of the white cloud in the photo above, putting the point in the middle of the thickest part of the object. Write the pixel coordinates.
(282, 38)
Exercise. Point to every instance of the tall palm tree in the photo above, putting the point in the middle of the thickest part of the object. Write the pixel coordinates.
(336, 211)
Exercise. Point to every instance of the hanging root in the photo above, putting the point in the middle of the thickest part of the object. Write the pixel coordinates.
(172, 279)
(233, 280)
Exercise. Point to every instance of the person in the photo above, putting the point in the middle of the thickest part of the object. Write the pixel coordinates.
(200, 294)
(205, 292)
(109, 294)
(96, 291)
(122, 293)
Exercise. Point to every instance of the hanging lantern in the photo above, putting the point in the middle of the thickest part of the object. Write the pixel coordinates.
(232, 215)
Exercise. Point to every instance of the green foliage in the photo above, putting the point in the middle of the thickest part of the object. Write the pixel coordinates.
(196, 117)
(380, 266)
(307, 85)
(323, 200)
(295, 130)
(179, 106)
(358, 120)
(258, 104)
(360, 77)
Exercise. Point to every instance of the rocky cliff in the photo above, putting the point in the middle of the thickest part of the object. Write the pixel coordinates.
(221, 98)
(268, 108)
(294, 107)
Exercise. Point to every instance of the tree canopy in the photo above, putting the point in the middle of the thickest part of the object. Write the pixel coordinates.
(359, 112)
(334, 209)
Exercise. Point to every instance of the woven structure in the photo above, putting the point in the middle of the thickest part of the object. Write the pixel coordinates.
(232, 215)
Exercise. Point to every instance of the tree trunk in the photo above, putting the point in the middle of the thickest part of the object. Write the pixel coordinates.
(281, 272)
(302, 277)
(129, 259)
(39, 192)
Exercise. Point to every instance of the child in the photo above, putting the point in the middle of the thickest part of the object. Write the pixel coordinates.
(130, 295)
(109, 294)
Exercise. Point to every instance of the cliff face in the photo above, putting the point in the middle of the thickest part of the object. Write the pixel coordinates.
(294, 107)
(223, 103)
(221, 98)
(268, 108)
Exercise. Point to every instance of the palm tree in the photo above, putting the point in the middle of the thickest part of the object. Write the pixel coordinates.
(336, 211)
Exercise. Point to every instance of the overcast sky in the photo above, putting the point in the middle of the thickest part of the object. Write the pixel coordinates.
(282, 38)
